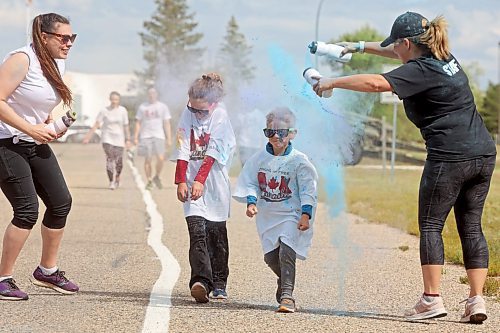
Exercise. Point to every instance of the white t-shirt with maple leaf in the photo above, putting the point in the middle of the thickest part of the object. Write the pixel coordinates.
(212, 136)
(282, 185)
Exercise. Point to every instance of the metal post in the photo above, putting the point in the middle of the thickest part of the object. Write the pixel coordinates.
(498, 102)
(393, 150)
(317, 29)
(384, 145)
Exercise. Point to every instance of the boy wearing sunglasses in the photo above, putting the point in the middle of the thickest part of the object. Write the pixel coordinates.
(279, 185)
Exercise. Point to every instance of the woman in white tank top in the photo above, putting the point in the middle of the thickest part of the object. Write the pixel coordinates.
(31, 86)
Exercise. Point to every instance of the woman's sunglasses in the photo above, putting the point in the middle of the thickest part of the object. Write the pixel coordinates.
(64, 39)
(195, 110)
(282, 132)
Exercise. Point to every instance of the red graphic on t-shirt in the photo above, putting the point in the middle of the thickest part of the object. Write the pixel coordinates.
(274, 190)
(284, 185)
(261, 178)
(198, 146)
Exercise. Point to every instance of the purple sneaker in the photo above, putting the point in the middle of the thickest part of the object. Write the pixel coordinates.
(56, 281)
(10, 291)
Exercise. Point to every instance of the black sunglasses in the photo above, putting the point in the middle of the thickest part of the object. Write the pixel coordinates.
(282, 132)
(195, 110)
(64, 38)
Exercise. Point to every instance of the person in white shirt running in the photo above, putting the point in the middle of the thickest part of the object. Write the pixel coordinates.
(115, 136)
(205, 146)
(31, 86)
(152, 131)
(279, 185)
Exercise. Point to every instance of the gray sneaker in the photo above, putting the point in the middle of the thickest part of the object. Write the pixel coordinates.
(427, 307)
(157, 182)
(287, 305)
(475, 310)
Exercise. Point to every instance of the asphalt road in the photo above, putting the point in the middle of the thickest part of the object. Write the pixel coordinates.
(128, 251)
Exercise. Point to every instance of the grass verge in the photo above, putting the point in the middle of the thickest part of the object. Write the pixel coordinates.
(373, 195)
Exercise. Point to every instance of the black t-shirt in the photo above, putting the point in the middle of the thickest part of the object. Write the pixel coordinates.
(438, 100)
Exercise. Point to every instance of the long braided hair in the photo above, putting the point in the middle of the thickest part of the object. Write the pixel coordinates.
(49, 22)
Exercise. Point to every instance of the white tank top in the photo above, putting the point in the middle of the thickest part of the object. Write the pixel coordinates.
(34, 98)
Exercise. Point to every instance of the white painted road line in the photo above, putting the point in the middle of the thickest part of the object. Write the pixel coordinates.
(158, 311)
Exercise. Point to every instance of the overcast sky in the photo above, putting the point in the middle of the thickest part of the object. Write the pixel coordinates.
(108, 40)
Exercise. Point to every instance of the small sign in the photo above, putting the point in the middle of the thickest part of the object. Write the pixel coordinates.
(388, 97)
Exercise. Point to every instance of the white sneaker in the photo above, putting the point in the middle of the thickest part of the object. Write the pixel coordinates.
(475, 310)
(426, 308)
(112, 185)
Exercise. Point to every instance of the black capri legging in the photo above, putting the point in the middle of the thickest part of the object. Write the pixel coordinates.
(463, 186)
(28, 170)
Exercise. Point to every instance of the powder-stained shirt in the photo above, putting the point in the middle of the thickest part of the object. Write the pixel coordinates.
(113, 122)
(34, 98)
(152, 117)
(212, 136)
(438, 100)
(282, 185)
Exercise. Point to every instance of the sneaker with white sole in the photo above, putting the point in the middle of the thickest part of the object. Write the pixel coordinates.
(56, 281)
(427, 307)
(10, 291)
(475, 310)
(199, 292)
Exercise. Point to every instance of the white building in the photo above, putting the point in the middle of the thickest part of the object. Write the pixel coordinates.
(91, 93)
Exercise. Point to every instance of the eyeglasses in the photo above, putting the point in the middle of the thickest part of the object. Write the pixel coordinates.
(63, 38)
(282, 132)
(195, 110)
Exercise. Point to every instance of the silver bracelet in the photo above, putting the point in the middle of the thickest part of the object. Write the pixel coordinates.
(361, 46)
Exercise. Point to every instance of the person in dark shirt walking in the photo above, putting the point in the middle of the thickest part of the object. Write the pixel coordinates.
(460, 152)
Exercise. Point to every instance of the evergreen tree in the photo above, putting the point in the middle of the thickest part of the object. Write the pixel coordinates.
(172, 58)
(235, 55)
(490, 108)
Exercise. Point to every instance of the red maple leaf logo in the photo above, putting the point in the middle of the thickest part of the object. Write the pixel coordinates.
(273, 184)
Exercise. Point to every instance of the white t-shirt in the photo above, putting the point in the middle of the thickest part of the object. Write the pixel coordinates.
(152, 117)
(213, 137)
(34, 98)
(112, 122)
(282, 185)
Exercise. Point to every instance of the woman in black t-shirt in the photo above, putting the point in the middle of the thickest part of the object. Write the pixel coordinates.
(460, 151)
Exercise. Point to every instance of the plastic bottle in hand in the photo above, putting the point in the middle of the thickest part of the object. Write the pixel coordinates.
(332, 51)
(62, 124)
(308, 75)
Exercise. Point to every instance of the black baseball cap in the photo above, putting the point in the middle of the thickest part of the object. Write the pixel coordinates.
(407, 25)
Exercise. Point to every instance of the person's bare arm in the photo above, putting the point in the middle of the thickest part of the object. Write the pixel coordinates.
(358, 82)
(91, 131)
(137, 130)
(168, 132)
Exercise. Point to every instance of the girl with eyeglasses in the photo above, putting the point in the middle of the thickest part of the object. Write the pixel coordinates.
(205, 145)
(279, 185)
(31, 86)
